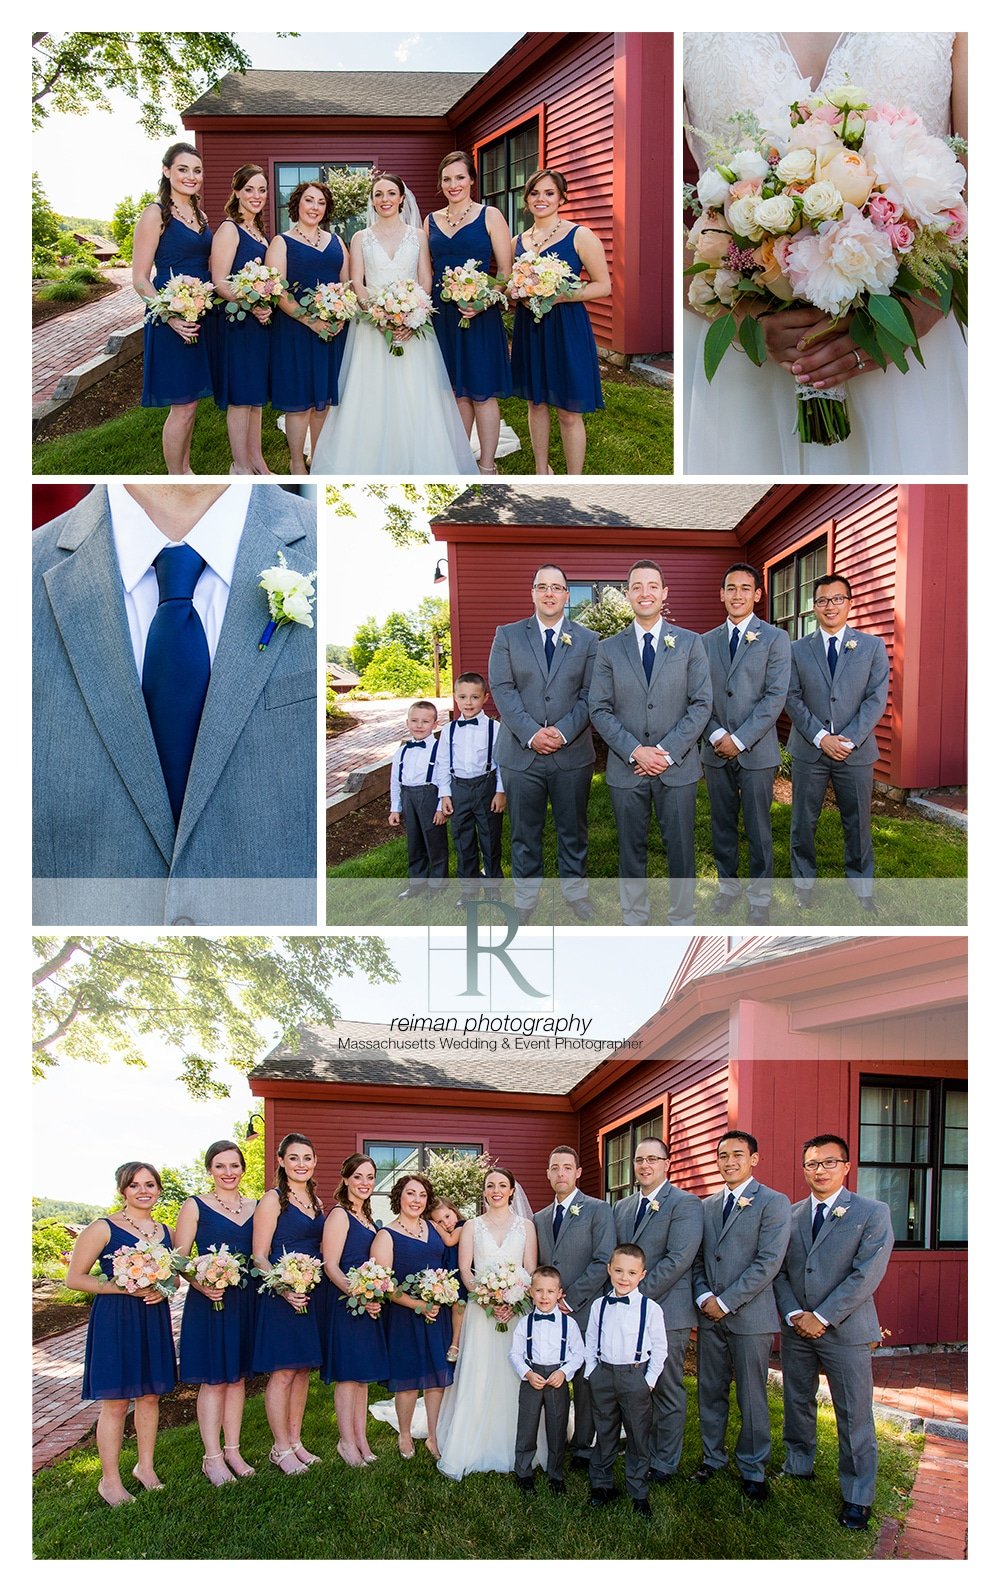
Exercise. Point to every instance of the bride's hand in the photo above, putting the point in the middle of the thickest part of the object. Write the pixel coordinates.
(503, 1313)
(838, 359)
(403, 335)
(784, 331)
(431, 1312)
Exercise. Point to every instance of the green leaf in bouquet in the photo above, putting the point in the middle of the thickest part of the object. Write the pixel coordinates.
(752, 339)
(720, 335)
(892, 347)
(946, 289)
(698, 267)
(887, 312)
(862, 330)
(915, 346)
(960, 298)
(748, 285)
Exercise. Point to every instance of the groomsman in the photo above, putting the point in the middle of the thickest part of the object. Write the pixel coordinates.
(837, 1256)
(666, 1223)
(749, 662)
(539, 674)
(837, 694)
(576, 1234)
(746, 1228)
(650, 699)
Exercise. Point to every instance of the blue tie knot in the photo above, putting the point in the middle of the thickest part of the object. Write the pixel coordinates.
(177, 569)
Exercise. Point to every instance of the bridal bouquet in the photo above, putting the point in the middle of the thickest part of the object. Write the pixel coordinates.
(292, 1273)
(253, 284)
(539, 279)
(370, 1284)
(467, 284)
(185, 298)
(848, 207)
(329, 302)
(218, 1267)
(433, 1285)
(504, 1284)
(400, 306)
(144, 1265)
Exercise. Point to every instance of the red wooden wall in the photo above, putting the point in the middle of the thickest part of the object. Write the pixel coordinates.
(645, 215)
(48, 501)
(930, 706)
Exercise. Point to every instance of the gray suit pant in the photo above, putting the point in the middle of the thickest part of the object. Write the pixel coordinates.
(529, 792)
(475, 830)
(730, 789)
(741, 1357)
(852, 788)
(426, 842)
(848, 1369)
(670, 1405)
(583, 1415)
(674, 806)
(621, 1398)
(531, 1403)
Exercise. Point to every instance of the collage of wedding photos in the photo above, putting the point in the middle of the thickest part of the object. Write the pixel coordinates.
(500, 826)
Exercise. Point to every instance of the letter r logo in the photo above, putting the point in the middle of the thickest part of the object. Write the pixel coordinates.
(474, 948)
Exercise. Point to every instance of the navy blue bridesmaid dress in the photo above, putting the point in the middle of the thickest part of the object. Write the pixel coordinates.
(216, 1345)
(130, 1345)
(244, 352)
(354, 1348)
(174, 371)
(282, 1338)
(554, 360)
(305, 368)
(477, 359)
(418, 1349)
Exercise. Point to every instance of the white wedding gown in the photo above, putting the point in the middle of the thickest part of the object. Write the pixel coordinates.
(743, 422)
(396, 416)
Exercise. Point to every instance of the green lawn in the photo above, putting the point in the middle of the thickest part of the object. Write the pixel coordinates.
(632, 436)
(407, 1511)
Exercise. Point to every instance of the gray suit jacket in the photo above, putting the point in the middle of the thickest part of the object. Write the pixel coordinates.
(529, 696)
(853, 701)
(670, 710)
(581, 1252)
(748, 692)
(670, 1238)
(105, 845)
(838, 1275)
(740, 1260)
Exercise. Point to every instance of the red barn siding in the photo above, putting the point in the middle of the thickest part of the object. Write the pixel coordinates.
(642, 302)
(932, 593)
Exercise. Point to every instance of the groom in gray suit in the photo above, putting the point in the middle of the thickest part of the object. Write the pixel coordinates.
(837, 1256)
(650, 699)
(749, 662)
(666, 1223)
(837, 694)
(576, 1233)
(539, 673)
(174, 758)
(745, 1237)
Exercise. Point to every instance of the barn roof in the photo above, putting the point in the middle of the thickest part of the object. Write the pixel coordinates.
(631, 505)
(262, 92)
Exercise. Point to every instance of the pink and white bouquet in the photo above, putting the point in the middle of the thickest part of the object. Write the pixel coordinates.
(433, 1285)
(539, 279)
(218, 1267)
(849, 207)
(292, 1273)
(397, 308)
(181, 298)
(331, 303)
(504, 1284)
(467, 284)
(253, 284)
(370, 1284)
(145, 1265)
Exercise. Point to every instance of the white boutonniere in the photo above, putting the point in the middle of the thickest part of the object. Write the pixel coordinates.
(566, 638)
(669, 640)
(750, 636)
(840, 1211)
(574, 1211)
(850, 646)
(744, 1201)
(654, 1205)
(289, 598)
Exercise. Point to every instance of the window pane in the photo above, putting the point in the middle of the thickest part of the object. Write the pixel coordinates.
(904, 1193)
(875, 1144)
(954, 1218)
(580, 593)
(956, 1123)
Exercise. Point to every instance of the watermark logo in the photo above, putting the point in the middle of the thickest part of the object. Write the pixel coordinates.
(497, 964)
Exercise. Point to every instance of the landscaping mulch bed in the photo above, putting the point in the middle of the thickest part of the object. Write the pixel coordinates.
(112, 396)
(884, 806)
(49, 1315)
(359, 832)
(338, 724)
(43, 310)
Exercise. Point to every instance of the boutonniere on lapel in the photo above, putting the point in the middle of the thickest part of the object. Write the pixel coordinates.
(850, 646)
(565, 639)
(289, 598)
(574, 1211)
(654, 1205)
(744, 1201)
(839, 1211)
(750, 636)
(669, 640)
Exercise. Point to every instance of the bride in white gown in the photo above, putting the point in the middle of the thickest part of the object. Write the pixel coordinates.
(743, 423)
(478, 1422)
(396, 416)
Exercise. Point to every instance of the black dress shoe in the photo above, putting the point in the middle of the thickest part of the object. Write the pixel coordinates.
(705, 1473)
(803, 900)
(855, 1516)
(642, 1507)
(662, 1477)
(721, 903)
(759, 915)
(582, 909)
(410, 892)
(579, 1463)
(756, 1492)
(867, 905)
(599, 1497)
(798, 1476)
(556, 1485)
(524, 915)
(526, 1484)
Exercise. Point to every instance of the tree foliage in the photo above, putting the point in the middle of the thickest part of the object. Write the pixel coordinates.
(406, 506)
(126, 214)
(350, 196)
(415, 632)
(98, 996)
(391, 670)
(459, 1178)
(611, 613)
(46, 226)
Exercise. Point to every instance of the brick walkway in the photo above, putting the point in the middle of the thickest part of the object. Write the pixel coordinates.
(937, 1526)
(377, 736)
(65, 341)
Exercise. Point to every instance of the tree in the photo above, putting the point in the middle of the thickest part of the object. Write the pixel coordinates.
(398, 631)
(336, 653)
(367, 639)
(432, 620)
(392, 671)
(123, 220)
(611, 613)
(46, 226)
(97, 996)
(406, 505)
(458, 1177)
(161, 72)
(350, 196)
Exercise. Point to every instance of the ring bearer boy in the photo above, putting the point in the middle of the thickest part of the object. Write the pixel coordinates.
(471, 788)
(414, 800)
(626, 1350)
(546, 1352)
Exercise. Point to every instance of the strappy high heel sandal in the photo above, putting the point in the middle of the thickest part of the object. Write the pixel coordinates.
(219, 1482)
(278, 1455)
(234, 1449)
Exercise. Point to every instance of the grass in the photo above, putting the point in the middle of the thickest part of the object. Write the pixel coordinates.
(408, 1511)
(632, 436)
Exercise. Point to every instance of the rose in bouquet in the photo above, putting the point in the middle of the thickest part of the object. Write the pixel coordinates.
(433, 1286)
(181, 298)
(218, 1267)
(539, 279)
(402, 306)
(504, 1284)
(851, 208)
(468, 285)
(254, 285)
(145, 1265)
(292, 1273)
(289, 597)
(370, 1284)
(332, 304)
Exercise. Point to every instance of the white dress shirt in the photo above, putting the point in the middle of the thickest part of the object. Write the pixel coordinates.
(216, 537)
(730, 627)
(555, 628)
(464, 752)
(414, 762)
(621, 1331)
(546, 1342)
(736, 1194)
(838, 637)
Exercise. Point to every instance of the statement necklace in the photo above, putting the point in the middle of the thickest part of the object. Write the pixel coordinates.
(454, 225)
(406, 1230)
(312, 242)
(231, 1211)
(188, 218)
(308, 1210)
(143, 1233)
(535, 244)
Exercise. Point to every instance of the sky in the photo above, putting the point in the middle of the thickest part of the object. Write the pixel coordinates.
(369, 574)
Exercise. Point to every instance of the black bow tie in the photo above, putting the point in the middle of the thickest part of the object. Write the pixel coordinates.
(541, 1317)
(409, 744)
(618, 1299)
(461, 723)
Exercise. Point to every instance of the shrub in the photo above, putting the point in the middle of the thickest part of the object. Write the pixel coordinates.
(333, 708)
(84, 272)
(459, 1179)
(784, 761)
(63, 292)
(51, 1243)
(392, 671)
(611, 613)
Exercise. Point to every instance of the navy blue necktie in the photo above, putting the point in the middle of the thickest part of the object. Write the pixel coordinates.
(550, 648)
(727, 1208)
(176, 667)
(831, 654)
(818, 1216)
(557, 1222)
(648, 654)
(734, 642)
(641, 1210)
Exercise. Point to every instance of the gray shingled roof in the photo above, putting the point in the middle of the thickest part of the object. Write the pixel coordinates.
(659, 507)
(368, 1059)
(782, 946)
(267, 93)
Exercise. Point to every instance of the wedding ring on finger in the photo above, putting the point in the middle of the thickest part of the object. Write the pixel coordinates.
(857, 356)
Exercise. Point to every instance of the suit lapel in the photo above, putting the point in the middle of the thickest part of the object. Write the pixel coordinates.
(631, 646)
(829, 1221)
(562, 647)
(754, 626)
(748, 1194)
(660, 656)
(660, 1196)
(536, 644)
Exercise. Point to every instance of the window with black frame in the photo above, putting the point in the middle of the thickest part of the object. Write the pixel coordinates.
(395, 1159)
(619, 1150)
(583, 593)
(913, 1154)
(288, 175)
(505, 166)
(790, 589)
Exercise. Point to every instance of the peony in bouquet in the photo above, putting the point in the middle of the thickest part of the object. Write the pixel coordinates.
(145, 1265)
(253, 284)
(504, 1284)
(218, 1267)
(433, 1285)
(399, 307)
(850, 208)
(330, 303)
(370, 1285)
(467, 284)
(539, 279)
(183, 298)
(292, 1273)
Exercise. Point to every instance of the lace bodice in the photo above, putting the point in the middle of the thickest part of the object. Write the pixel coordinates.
(485, 1250)
(724, 72)
(381, 268)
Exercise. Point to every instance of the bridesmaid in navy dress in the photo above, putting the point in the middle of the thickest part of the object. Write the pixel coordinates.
(417, 1335)
(244, 353)
(354, 1351)
(130, 1346)
(554, 360)
(287, 1344)
(477, 359)
(304, 366)
(216, 1345)
(173, 238)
